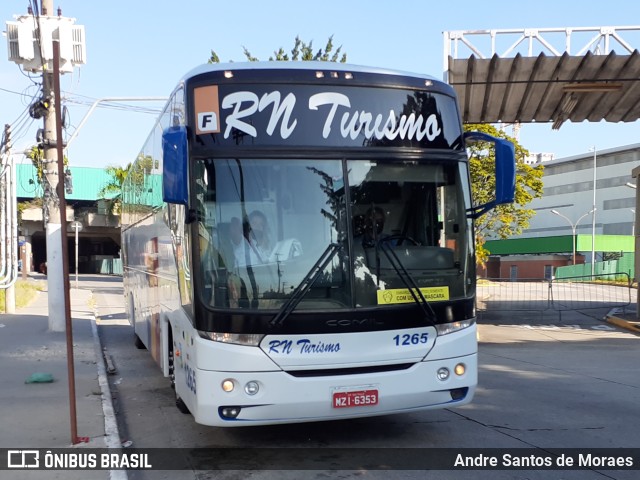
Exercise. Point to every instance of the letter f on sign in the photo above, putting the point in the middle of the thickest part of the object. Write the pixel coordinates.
(207, 109)
(208, 122)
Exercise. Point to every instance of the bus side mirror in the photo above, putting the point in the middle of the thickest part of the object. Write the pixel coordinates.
(174, 165)
(505, 172)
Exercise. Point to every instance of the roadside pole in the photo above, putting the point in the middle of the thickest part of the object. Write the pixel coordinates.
(7, 194)
(64, 242)
(56, 211)
(54, 215)
(635, 173)
(77, 228)
(47, 56)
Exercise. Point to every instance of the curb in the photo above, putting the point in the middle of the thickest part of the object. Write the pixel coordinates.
(112, 435)
(631, 325)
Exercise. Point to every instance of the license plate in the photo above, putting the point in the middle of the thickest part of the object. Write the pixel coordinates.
(361, 398)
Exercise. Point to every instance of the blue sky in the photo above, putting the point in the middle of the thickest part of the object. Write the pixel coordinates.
(141, 49)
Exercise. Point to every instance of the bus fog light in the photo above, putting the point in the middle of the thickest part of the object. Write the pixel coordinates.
(230, 412)
(443, 373)
(251, 388)
(228, 385)
(460, 369)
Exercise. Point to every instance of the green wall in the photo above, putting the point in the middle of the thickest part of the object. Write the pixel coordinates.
(560, 244)
(87, 182)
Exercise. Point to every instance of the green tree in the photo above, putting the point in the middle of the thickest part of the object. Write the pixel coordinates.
(137, 172)
(113, 188)
(36, 155)
(301, 51)
(507, 220)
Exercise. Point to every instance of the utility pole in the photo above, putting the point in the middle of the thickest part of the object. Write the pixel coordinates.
(54, 219)
(10, 291)
(30, 44)
(56, 210)
(593, 220)
(62, 206)
(30, 39)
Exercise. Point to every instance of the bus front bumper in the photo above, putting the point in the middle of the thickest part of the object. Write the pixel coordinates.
(282, 397)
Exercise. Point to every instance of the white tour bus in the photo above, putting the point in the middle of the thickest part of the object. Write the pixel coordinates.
(298, 243)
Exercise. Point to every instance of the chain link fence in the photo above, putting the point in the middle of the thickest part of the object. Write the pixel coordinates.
(556, 295)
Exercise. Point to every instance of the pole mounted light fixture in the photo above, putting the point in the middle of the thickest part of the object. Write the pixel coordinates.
(574, 226)
(593, 220)
(592, 87)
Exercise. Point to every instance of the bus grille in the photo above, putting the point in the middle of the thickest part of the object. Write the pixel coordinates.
(329, 372)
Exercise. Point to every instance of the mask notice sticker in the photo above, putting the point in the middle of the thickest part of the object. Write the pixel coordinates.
(403, 295)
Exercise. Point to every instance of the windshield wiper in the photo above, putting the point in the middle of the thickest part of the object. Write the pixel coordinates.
(303, 287)
(407, 279)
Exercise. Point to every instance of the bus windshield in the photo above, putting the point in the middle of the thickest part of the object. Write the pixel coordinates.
(265, 223)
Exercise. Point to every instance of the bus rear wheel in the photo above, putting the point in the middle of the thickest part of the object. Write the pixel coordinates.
(138, 343)
(132, 320)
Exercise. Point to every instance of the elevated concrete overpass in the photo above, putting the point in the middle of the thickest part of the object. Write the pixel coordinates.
(99, 239)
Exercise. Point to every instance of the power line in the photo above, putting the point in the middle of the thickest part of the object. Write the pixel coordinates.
(88, 102)
(23, 94)
(116, 106)
(11, 91)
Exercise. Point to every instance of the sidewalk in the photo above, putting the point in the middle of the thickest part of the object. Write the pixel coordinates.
(37, 415)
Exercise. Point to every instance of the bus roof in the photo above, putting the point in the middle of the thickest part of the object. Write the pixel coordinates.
(304, 66)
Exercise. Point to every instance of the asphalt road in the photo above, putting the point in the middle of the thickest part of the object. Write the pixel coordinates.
(545, 381)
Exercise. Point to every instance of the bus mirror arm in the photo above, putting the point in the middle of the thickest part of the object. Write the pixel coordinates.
(477, 212)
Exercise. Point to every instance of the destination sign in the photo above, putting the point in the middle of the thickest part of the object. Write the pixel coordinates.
(254, 115)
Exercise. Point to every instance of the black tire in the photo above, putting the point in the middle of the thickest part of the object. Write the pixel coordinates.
(182, 406)
(179, 402)
(138, 343)
(132, 320)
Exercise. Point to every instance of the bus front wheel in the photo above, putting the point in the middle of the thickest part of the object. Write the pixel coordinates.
(179, 402)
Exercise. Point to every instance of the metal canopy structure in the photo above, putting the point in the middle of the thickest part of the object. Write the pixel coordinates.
(535, 81)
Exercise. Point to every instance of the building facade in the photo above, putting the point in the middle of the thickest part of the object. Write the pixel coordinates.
(563, 222)
(569, 190)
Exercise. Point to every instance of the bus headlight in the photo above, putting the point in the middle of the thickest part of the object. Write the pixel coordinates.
(228, 385)
(443, 373)
(247, 339)
(447, 328)
(460, 369)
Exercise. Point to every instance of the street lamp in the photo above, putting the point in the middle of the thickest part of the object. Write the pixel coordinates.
(573, 228)
(593, 223)
(633, 226)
